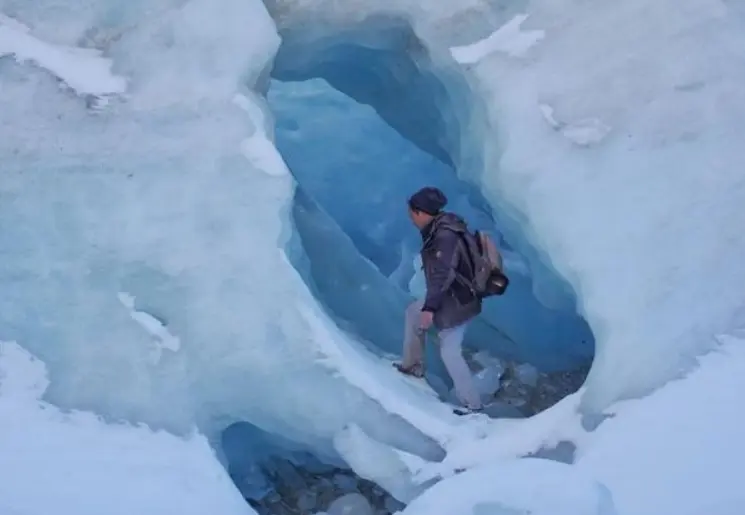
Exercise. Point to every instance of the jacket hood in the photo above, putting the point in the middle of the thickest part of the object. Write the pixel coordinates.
(449, 221)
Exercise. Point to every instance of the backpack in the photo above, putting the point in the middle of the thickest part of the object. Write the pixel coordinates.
(488, 276)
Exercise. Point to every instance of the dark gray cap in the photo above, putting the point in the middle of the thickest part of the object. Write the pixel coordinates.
(429, 200)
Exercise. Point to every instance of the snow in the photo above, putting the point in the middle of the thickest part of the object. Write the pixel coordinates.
(583, 132)
(534, 486)
(163, 338)
(73, 462)
(260, 152)
(258, 148)
(679, 450)
(508, 39)
(511, 438)
(409, 398)
(84, 70)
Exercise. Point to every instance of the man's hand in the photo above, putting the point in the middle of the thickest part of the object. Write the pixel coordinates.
(425, 320)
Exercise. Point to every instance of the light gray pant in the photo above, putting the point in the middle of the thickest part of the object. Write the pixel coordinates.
(451, 351)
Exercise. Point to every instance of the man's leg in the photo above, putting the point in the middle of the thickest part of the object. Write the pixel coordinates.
(413, 341)
(451, 350)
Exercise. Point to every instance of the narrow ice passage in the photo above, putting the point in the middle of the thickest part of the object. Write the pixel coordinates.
(351, 164)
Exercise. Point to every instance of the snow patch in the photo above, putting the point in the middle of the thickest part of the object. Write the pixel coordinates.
(508, 39)
(162, 337)
(262, 154)
(512, 438)
(22, 376)
(82, 69)
(259, 149)
(529, 486)
(73, 462)
(584, 133)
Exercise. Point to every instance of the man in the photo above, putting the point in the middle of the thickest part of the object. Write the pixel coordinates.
(449, 303)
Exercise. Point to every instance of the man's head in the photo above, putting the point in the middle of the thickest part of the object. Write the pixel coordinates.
(425, 204)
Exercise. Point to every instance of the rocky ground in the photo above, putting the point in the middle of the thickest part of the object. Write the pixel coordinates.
(511, 389)
(335, 492)
(520, 385)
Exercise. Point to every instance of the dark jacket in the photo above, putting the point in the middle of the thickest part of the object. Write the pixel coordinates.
(444, 260)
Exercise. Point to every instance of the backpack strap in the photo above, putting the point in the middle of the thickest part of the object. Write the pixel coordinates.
(466, 249)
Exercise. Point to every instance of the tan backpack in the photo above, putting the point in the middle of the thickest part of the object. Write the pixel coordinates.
(489, 278)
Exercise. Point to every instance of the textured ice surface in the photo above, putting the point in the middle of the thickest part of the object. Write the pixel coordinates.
(153, 197)
(72, 462)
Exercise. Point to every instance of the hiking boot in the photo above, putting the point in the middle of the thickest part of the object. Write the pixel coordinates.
(415, 370)
(467, 410)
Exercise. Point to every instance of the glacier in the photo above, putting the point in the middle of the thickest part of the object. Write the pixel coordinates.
(165, 243)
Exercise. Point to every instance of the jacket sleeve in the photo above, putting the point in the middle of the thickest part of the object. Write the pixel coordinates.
(442, 271)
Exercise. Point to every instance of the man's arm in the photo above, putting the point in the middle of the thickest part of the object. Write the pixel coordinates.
(442, 272)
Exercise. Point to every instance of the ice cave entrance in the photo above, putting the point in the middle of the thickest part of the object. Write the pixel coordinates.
(363, 119)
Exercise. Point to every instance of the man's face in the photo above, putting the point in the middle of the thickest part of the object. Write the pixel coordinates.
(417, 218)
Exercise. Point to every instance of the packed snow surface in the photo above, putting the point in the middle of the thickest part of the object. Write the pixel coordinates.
(73, 462)
(534, 486)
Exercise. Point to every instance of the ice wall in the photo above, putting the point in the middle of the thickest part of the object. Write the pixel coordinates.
(142, 239)
(625, 155)
(356, 166)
